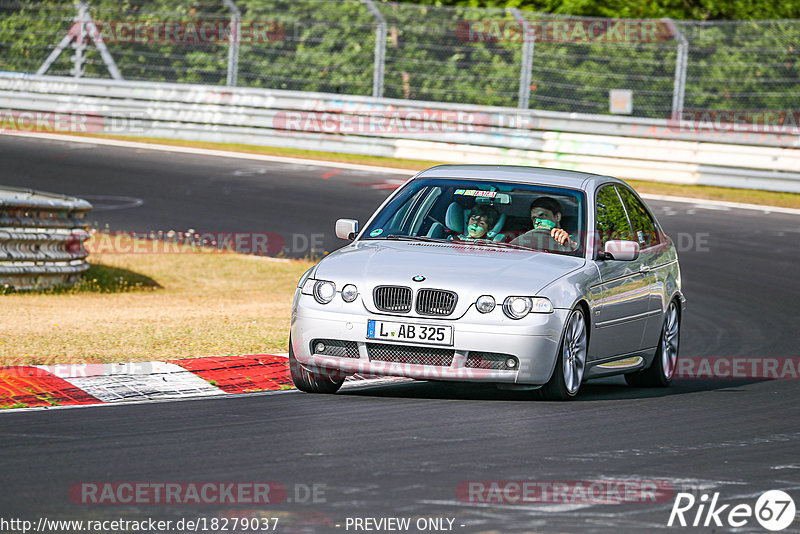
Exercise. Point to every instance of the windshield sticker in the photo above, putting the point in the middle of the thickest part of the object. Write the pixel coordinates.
(475, 193)
(376, 233)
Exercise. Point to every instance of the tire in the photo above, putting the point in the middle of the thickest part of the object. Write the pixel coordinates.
(665, 362)
(309, 381)
(571, 360)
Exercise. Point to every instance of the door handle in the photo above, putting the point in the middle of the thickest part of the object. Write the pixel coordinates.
(644, 269)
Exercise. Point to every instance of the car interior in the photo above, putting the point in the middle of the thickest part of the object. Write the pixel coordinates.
(449, 218)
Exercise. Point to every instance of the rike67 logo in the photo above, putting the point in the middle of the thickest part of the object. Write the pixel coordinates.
(774, 510)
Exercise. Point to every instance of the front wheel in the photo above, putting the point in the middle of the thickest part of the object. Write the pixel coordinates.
(661, 371)
(310, 381)
(571, 361)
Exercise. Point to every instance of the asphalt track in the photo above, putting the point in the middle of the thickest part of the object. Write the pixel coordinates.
(402, 450)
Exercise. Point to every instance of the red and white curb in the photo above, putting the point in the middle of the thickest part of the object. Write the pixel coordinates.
(86, 384)
(143, 381)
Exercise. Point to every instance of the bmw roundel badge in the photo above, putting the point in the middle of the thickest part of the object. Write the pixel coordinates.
(419, 278)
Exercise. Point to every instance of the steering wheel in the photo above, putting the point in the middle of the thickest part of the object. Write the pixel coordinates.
(542, 239)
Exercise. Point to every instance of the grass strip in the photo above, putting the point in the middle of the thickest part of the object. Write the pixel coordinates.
(138, 307)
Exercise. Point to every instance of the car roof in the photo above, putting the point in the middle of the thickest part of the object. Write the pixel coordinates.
(518, 173)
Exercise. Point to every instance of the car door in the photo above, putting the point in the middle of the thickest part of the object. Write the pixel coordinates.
(623, 294)
(652, 259)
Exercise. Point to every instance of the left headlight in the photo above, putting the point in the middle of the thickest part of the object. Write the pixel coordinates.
(323, 290)
(485, 303)
(519, 307)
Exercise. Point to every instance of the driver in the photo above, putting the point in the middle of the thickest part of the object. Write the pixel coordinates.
(546, 216)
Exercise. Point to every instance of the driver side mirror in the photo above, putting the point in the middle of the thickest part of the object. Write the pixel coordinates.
(621, 250)
(346, 229)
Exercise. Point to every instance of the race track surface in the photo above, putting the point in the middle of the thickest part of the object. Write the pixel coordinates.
(404, 449)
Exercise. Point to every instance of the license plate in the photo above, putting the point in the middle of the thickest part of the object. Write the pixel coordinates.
(410, 333)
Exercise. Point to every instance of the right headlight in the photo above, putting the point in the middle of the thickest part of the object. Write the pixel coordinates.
(323, 290)
(306, 276)
(519, 307)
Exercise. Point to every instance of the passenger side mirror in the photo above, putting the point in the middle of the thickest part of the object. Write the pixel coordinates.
(346, 229)
(621, 250)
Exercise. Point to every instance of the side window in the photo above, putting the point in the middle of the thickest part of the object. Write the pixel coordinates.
(421, 223)
(401, 220)
(612, 223)
(644, 229)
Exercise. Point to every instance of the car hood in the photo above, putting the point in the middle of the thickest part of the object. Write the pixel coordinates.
(468, 270)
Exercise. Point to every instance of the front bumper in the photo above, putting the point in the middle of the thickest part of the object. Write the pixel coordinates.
(533, 341)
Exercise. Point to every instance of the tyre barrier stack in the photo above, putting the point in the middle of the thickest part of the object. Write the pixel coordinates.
(42, 238)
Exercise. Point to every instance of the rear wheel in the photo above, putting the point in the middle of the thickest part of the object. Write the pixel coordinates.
(310, 381)
(571, 361)
(661, 371)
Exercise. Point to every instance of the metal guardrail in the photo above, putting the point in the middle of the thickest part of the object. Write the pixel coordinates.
(634, 148)
(42, 238)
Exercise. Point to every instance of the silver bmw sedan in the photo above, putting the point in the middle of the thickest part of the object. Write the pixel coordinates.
(529, 278)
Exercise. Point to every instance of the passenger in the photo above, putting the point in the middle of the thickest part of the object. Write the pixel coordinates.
(482, 218)
(546, 215)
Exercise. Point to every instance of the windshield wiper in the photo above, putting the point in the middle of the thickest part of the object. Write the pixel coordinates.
(494, 244)
(396, 237)
(479, 243)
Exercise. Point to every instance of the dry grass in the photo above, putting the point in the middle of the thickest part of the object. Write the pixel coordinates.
(208, 304)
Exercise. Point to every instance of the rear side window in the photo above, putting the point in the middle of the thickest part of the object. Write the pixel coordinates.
(644, 228)
(612, 223)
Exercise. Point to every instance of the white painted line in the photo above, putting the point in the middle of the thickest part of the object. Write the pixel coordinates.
(212, 152)
(712, 204)
(139, 381)
(371, 168)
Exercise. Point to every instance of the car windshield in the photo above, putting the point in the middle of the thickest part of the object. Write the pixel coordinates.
(485, 213)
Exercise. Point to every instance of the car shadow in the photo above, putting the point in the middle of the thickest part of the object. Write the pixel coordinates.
(602, 389)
